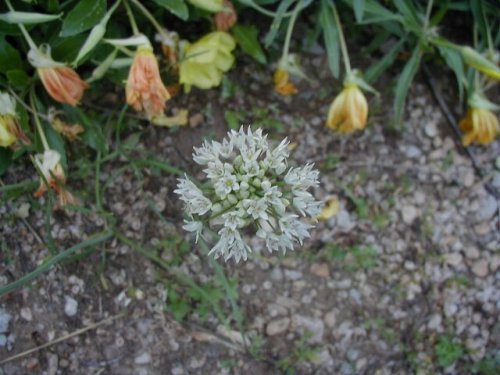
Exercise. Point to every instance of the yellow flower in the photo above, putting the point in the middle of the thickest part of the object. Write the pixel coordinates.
(288, 64)
(348, 111)
(10, 131)
(205, 62)
(480, 125)
(145, 89)
(282, 84)
(330, 209)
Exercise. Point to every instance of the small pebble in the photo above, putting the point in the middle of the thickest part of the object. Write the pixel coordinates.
(70, 306)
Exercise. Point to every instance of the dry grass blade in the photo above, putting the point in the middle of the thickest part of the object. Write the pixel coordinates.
(61, 339)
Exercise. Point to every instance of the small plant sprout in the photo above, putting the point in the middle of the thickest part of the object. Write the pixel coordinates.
(250, 189)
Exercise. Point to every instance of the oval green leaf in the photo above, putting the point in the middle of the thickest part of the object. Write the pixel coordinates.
(83, 16)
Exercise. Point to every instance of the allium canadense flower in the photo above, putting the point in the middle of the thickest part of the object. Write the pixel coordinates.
(250, 189)
(10, 131)
(145, 90)
(349, 110)
(61, 82)
(480, 125)
(205, 61)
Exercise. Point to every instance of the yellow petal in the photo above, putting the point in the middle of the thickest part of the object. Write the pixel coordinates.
(330, 210)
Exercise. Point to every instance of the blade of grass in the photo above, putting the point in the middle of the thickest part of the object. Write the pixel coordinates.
(48, 264)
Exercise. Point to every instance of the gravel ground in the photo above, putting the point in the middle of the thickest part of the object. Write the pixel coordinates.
(404, 279)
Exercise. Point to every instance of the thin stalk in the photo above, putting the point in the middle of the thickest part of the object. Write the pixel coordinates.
(150, 17)
(131, 18)
(343, 45)
(38, 123)
(98, 200)
(23, 29)
(289, 31)
(263, 10)
(428, 13)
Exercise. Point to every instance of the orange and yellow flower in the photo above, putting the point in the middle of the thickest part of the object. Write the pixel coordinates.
(226, 18)
(61, 82)
(349, 110)
(480, 125)
(53, 177)
(282, 83)
(145, 90)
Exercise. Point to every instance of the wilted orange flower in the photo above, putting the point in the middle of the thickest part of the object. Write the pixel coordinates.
(348, 111)
(169, 46)
(226, 18)
(282, 85)
(61, 82)
(480, 125)
(52, 177)
(145, 90)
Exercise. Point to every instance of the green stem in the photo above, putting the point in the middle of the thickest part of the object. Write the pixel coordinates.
(229, 292)
(98, 200)
(289, 31)
(47, 265)
(343, 45)
(150, 17)
(131, 18)
(23, 29)
(264, 11)
(38, 123)
(428, 13)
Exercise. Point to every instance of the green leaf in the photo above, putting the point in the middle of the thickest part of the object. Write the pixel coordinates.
(66, 49)
(404, 81)
(377, 12)
(374, 71)
(5, 159)
(454, 61)
(233, 120)
(18, 78)
(246, 36)
(176, 7)
(9, 56)
(331, 35)
(83, 16)
(359, 8)
(278, 18)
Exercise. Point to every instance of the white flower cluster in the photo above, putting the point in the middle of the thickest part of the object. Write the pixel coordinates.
(250, 186)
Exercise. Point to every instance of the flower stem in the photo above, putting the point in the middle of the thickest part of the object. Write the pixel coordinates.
(263, 10)
(428, 13)
(343, 45)
(289, 31)
(27, 36)
(131, 18)
(150, 17)
(38, 123)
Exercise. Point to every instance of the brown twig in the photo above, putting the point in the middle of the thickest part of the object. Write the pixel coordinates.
(431, 83)
(62, 338)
